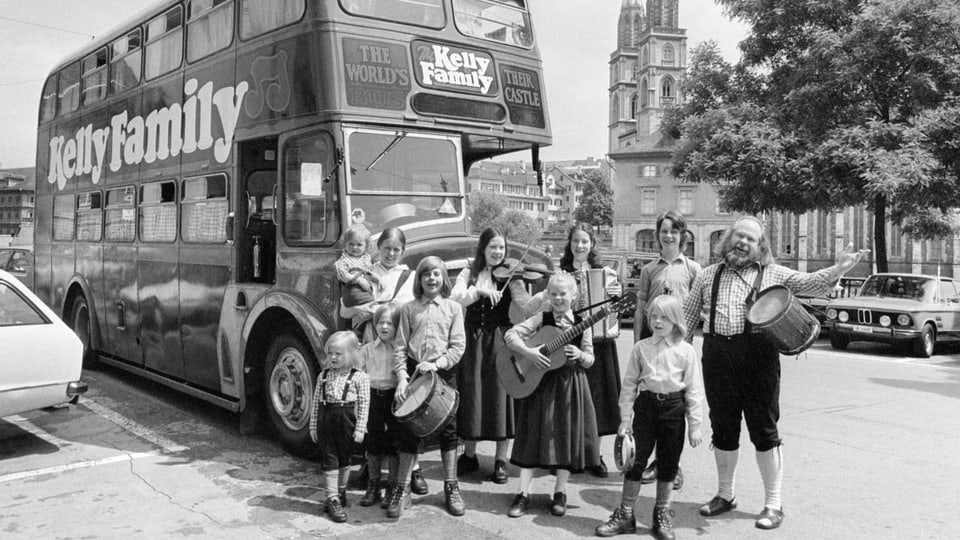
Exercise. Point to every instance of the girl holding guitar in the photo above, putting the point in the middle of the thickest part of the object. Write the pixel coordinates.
(580, 256)
(556, 424)
(486, 411)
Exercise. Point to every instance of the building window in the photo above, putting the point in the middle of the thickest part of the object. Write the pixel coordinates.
(644, 89)
(668, 56)
(787, 233)
(823, 232)
(685, 201)
(648, 171)
(934, 251)
(715, 238)
(647, 241)
(633, 107)
(896, 240)
(667, 97)
(648, 201)
(690, 249)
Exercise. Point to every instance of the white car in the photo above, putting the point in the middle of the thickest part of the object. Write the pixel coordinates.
(40, 357)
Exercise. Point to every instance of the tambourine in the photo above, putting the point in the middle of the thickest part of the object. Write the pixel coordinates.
(624, 452)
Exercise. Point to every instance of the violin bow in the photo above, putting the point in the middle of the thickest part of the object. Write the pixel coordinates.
(519, 262)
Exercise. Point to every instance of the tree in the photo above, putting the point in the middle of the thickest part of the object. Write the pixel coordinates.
(834, 103)
(596, 203)
(488, 209)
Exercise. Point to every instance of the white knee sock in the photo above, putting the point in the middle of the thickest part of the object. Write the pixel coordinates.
(771, 470)
(726, 472)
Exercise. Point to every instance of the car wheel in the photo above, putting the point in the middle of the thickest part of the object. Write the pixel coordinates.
(289, 376)
(80, 324)
(839, 341)
(923, 345)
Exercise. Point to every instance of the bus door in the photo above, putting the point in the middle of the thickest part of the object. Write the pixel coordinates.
(206, 263)
(255, 224)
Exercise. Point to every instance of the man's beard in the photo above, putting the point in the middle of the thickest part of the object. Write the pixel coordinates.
(737, 259)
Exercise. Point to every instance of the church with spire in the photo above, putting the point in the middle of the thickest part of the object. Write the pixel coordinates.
(646, 77)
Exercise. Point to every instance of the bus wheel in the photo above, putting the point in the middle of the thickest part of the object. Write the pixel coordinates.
(80, 323)
(289, 374)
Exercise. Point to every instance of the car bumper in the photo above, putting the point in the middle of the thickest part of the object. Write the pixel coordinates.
(20, 400)
(874, 333)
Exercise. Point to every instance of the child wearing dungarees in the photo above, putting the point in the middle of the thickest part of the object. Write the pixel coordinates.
(338, 417)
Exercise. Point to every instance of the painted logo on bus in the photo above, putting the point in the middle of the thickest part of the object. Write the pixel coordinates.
(377, 74)
(448, 67)
(165, 132)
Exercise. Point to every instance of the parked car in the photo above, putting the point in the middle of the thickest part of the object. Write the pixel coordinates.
(40, 357)
(817, 305)
(905, 309)
(19, 262)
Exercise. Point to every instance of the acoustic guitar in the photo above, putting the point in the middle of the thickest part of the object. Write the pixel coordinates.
(520, 376)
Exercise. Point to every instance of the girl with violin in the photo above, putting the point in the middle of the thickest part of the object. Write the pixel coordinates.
(486, 290)
(579, 256)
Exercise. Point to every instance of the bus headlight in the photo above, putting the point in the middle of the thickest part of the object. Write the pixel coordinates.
(831, 313)
(885, 320)
(903, 320)
(843, 316)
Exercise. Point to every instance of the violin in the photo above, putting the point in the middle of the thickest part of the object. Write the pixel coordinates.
(512, 269)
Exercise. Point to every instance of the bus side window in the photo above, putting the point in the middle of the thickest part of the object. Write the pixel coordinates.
(312, 202)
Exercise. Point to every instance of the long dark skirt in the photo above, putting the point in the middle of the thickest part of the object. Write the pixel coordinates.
(604, 379)
(486, 411)
(556, 425)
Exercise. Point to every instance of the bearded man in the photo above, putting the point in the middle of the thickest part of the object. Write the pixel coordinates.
(741, 369)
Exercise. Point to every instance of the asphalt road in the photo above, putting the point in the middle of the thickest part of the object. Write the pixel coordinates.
(871, 451)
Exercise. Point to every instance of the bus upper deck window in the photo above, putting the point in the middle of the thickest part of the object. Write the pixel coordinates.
(209, 27)
(68, 90)
(164, 50)
(503, 21)
(48, 100)
(126, 62)
(428, 13)
(261, 16)
(94, 82)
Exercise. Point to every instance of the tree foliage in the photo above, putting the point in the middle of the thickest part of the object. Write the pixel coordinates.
(596, 203)
(489, 209)
(834, 103)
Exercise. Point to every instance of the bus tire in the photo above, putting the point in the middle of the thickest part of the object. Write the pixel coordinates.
(81, 325)
(289, 375)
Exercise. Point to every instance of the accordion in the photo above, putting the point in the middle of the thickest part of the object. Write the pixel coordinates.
(592, 289)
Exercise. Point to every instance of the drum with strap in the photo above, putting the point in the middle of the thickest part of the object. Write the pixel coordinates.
(778, 315)
(429, 406)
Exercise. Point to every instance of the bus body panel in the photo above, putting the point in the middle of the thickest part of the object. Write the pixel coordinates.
(121, 324)
(204, 276)
(159, 291)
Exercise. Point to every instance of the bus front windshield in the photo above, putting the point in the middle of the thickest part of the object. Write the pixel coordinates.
(400, 177)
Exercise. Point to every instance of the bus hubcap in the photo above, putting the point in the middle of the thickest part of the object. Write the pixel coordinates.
(289, 389)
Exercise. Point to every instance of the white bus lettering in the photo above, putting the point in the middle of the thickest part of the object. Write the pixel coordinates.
(446, 69)
(160, 134)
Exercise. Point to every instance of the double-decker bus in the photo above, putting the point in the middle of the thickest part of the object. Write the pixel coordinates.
(197, 165)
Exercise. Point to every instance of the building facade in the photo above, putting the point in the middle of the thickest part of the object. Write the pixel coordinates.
(646, 76)
(17, 188)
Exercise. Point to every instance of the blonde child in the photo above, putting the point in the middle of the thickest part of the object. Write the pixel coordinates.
(556, 424)
(661, 385)
(355, 268)
(430, 337)
(338, 418)
(381, 443)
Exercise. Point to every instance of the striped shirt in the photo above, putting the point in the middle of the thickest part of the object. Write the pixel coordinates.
(329, 388)
(735, 286)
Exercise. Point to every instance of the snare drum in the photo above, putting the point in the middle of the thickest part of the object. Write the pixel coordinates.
(430, 405)
(779, 316)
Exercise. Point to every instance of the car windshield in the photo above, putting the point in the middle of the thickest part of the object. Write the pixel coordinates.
(915, 287)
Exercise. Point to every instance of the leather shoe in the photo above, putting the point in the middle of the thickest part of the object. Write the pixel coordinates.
(770, 518)
(519, 506)
(559, 505)
(417, 484)
(717, 506)
(454, 500)
(649, 474)
(499, 475)
(600, 471)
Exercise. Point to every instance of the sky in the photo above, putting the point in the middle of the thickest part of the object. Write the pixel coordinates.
(575, 42)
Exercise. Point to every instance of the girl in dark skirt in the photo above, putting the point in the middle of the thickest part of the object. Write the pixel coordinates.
(556, 424)
(580, 255)
(486, 411)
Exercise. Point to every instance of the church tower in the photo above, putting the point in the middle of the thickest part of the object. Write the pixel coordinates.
(645, 71)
